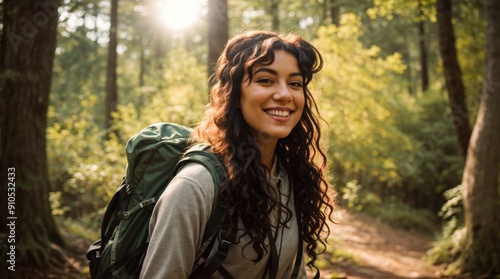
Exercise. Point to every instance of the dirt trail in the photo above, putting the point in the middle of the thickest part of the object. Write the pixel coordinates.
(380, 250)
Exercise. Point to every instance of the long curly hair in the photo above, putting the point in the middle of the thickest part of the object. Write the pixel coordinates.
(247, 194)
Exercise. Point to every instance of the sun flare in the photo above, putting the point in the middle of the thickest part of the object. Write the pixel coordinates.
(180, 14)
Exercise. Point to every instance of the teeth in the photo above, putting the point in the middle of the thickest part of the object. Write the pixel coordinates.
(278, 112)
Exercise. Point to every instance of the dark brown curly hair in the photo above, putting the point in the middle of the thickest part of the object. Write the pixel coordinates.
(247, 194)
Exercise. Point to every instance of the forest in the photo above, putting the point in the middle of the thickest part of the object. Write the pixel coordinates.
(409, 93)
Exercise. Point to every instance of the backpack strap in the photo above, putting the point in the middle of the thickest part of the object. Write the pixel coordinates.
(272, 264)
(205, 270)
(200, 154)
(124, 260)
(300, 250)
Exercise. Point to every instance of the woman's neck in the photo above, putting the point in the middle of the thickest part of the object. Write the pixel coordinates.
(267, 146)
(267, 156)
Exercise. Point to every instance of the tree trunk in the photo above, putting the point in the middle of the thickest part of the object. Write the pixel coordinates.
(480, 180)
(218, 31)
(142, 61)
(453, 76)
(335, 12)
(111, 88)
(408, 71)
(424, 72)
(26, 61)
(275, 14)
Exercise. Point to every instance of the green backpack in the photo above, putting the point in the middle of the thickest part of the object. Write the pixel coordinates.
(154, 156)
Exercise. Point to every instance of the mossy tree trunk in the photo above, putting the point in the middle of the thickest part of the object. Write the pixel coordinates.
(453, 75)
(111, 102)
(218, 31)
(275, 14)
(424, 69)
(482, 168)
(26, 59)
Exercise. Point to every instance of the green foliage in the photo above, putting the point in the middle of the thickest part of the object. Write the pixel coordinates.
(449, 244)
(434, 165)
(453, 207)
(84, 170)
(470, 28)
(447, 247)
(393, 143)
(85, 227)
(179, 95)
(55, 204)
(404, 8)
(404, 216)
(358, 199)
(364, 101)
(86, 167)
(303, 17)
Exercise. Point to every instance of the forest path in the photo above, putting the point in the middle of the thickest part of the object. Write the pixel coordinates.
(380, 251)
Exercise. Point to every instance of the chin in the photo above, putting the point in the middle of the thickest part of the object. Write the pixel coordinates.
(270, 136)
(281, 135)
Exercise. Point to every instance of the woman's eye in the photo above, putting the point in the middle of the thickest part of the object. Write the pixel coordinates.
(265, 80)
(296, 84)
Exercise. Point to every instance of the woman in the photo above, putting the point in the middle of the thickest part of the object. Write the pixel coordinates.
(261, 121)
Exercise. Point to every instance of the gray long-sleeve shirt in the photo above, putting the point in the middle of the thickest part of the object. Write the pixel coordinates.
(178, 223)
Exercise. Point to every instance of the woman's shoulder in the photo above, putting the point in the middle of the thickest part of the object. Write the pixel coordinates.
(193, 184)
(193, 177)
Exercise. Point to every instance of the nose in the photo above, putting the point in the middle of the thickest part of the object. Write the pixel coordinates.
(282, 92)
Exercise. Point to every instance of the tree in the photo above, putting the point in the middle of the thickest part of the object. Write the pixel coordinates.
(482, 168)
(111, 88)
(424, 71)
(334, 11)
(26, 61)
(453, 75)
(218, 31)
(274, 10)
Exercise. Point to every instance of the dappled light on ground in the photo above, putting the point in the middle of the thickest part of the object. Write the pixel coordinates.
(377, 250)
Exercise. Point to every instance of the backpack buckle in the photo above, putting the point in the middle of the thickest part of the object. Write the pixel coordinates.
(225, 244)
(123, 215)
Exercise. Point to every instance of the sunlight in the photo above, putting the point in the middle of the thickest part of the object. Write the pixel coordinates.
(180, 14)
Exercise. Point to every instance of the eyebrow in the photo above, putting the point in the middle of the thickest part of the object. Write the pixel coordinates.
(271, 71)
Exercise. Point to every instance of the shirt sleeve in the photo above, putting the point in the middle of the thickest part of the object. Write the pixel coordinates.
(177, 224)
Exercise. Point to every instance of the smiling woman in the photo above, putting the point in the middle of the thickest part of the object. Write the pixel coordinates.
(180, 15)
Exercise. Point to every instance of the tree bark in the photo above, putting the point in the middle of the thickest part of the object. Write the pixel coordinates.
(218, 31)
(275, 14)
(424, 72)
(26, 62)
(111, 87)
(453, 75)
(480, 180)
(335, 12)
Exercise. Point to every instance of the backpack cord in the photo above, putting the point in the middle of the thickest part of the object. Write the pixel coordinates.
(300, 251)
(207, 269)
(272, 264)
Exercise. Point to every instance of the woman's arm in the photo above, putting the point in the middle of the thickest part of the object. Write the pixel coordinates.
(177, 224)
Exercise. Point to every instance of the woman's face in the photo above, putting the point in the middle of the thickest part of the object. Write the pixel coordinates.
(273, 101)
